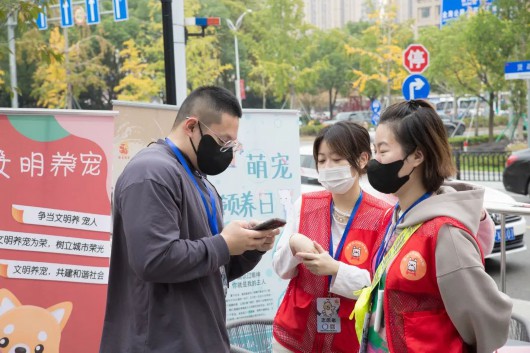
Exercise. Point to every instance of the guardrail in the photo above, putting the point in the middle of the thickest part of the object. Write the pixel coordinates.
(480, 166)
(515, 208)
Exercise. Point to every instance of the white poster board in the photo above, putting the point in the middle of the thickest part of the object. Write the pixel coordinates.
(263, 182)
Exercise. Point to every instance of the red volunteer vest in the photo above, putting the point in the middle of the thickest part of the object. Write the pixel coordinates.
(295, 324)
(415, 316)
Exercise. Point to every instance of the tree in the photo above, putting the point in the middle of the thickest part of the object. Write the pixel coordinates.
(137, 83)
(379, 55)
(486, 43)
(276, 38)
(327, 66)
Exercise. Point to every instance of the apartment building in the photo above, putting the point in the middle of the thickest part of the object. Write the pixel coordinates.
(327, 14)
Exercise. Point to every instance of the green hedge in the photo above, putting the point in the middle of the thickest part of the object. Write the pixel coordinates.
(473, 140)
(310, 130)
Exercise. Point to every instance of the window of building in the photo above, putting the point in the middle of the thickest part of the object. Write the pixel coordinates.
(425, 12)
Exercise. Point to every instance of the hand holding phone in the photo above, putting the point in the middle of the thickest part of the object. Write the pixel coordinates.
(272, 223)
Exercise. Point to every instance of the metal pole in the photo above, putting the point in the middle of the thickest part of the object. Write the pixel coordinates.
(67, 64)
(238, 86)
(179, 43)
(503, 252)
(11, 24)
(528, 111)
(169, 63)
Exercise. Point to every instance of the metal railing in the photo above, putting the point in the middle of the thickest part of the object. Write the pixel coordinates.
(504, 209)
(480, 166)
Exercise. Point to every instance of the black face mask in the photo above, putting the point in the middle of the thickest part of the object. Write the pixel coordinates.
(384, 177)
(210, 159)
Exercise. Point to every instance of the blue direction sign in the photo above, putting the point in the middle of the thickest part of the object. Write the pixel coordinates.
(92, 12)
(416, 87)
(376, 110)
(121, 11)
(517, 70)
(452, 9)
(67, 18)
(375, 118)
(375, 106)
(42, 20)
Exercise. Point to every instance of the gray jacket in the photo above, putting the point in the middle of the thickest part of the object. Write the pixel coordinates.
(165, 290)
(479, 311)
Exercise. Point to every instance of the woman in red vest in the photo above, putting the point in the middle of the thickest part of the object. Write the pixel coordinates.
(333, 235)
(429, 290)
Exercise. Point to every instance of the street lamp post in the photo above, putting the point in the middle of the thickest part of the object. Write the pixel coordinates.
(234, 29)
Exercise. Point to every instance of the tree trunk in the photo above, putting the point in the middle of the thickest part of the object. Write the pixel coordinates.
(264, 96)
(331, 103)
(491, 100)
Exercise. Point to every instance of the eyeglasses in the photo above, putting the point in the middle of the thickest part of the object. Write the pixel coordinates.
(235, 145)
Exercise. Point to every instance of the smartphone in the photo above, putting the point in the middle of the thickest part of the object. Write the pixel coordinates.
(269, 224)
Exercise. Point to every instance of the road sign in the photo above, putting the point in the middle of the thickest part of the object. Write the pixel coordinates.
(375, 118)
(416, 87)
(375, 106)
(416, 58)
(42, 20)
(92, 12)
(517, 70)
(79, 16)
(121, 11)
(452, 9)
(67, 17)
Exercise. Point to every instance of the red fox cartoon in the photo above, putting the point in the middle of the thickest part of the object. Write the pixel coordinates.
(28, 328)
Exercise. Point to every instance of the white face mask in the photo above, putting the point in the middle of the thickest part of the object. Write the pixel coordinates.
(336, 180)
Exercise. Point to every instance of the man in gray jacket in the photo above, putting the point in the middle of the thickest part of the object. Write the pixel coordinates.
(171, 257)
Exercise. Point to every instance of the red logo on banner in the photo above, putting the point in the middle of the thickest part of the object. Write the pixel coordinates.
(416, 58)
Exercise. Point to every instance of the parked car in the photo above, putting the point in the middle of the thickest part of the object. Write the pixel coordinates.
(452, 127)
(516, 175)
(515, 224)
(360, 117)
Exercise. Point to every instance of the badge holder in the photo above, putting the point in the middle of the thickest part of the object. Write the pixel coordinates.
(328, 320)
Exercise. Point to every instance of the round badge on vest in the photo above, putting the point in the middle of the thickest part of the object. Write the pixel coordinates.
(356, 252)
(413, 266)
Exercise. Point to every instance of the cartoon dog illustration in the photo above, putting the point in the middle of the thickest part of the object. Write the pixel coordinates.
(412, 265)
(28, 328)
(356, 252)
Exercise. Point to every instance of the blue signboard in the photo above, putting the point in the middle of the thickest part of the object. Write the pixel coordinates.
(92, 12)
(452, 9)
(375, 118)
(121, 11)
(67, 18)
(42, 20)
(517, 70)
(375, 106)
(416, 87)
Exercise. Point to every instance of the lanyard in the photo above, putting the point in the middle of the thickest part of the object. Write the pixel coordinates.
(346, 231)
(212, 216)
(362, 306)
(383, 247)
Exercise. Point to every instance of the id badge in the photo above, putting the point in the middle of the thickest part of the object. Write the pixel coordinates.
(224, 279)
(328, 320)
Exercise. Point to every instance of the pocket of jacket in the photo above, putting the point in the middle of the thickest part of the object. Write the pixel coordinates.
(294, 312)
(431, 331)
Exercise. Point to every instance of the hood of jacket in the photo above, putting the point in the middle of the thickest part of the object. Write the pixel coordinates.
(458, 200)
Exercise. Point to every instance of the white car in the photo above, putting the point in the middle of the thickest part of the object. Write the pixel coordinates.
(515, 225)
